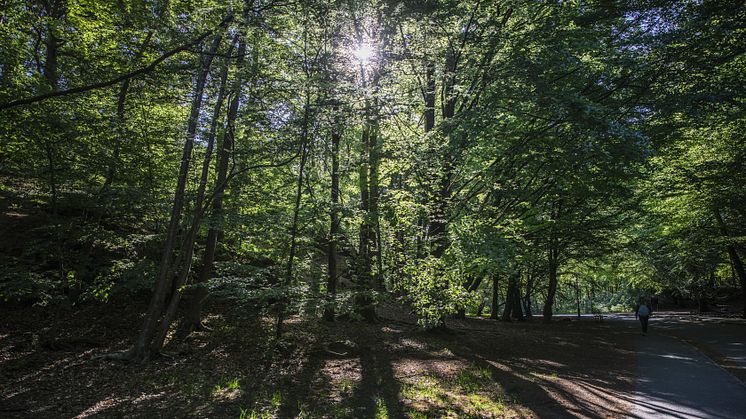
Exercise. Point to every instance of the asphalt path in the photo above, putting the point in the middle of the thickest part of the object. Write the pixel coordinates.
(675, 380)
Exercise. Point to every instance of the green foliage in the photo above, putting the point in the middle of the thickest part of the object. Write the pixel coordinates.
(434, 290)
(598, 141)
(27, 286)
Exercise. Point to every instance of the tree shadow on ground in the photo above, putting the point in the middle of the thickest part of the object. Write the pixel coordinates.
(566, 378)
(379, 389)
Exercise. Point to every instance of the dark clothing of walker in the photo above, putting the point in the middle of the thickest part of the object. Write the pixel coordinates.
(643, 313)
(644, 323)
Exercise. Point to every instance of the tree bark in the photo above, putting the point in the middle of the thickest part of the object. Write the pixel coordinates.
(331, 282)
(163, 280)
(55, 10)
(193, 306)
(517, 306)
(513, 307)
(374, 190)
(495, 297)
(296, 210)
(528, 294)
(552, 289)
(509, 301)
(577, 294)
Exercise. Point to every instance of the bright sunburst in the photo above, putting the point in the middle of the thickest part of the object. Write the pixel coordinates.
(364, 53)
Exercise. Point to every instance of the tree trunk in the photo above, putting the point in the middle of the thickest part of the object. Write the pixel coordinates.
(480, 308)
(517, 307)
(553, 258)
(429, 97)
(163, 282)
(55, 10)
(509, 300)
(48, 148)
(577, 295)
(193, 312)
(121, 121)
(528, 294)
(471, 286)
(495, 297)
(374, 191)
(364, 259)
(296, 211)
(552, 289)
(331, 282)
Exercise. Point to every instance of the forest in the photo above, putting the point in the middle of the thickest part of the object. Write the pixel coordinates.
(297, 181)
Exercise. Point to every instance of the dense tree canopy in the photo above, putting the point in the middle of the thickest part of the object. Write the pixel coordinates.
(317, 157)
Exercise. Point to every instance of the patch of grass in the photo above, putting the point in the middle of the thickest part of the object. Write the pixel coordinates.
(253, 414)
(473, 378)
(471, 393)
(485, 406)
(234, 384)
(382, 412)
(276, 399)
(427, 388)
(416, 414)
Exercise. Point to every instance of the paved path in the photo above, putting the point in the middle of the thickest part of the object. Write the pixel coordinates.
(677, 381)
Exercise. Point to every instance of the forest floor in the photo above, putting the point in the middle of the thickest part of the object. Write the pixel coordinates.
(476, 368)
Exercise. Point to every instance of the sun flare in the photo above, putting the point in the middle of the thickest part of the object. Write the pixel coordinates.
(364, 53)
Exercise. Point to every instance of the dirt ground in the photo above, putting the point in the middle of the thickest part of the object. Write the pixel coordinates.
(476, 368)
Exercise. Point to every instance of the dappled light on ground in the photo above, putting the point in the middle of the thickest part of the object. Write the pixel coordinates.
(476, 368)
(388, 369)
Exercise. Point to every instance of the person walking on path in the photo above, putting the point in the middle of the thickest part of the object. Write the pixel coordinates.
(643, 313)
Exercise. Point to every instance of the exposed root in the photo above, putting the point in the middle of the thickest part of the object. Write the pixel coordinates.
(127, 355)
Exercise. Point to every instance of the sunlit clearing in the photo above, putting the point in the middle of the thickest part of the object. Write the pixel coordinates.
(363, 53)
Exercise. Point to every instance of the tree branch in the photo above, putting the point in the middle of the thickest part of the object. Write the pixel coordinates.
(150, 67)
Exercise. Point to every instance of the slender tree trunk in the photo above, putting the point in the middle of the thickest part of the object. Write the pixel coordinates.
(193, 306)
(48, 148)
(55, 10)
(331, 283)
(163, 281)
(214, 234)
(577, 294)
(429, 97)
(528, 294)
(364, 259)
(296, 211)
(517, 307)
(552, 289)
(480, 308)
(362, 299)
(509, 300)
(121, 121)
(553, 258)
(374, 183)
(439, 218)
(495, 297)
